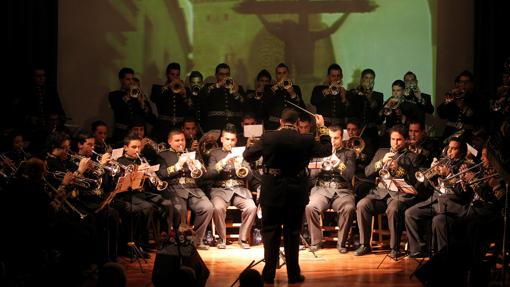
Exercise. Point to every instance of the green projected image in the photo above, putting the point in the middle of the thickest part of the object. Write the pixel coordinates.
(391, 37)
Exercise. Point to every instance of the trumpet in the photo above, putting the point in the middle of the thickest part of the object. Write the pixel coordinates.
(335, 87)
(113, 167)
(153, 177)
(97, 169)
(241, 171)
(78, 181)
(429, 173)
(64, 201)
(194, 166)
(176, 87)
(449, 180)
(206, 145)
(391, 105)
(331, 162)
(229, 83)
(135, 92)
(386, 172)
(195, 89)
(285, 84)
(357, 144)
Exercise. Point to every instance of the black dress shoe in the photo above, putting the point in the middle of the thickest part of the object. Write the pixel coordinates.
(298, 279)
(362, 250)
(396, 254)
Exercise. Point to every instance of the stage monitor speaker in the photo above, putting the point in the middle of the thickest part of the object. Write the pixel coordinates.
(170, 266)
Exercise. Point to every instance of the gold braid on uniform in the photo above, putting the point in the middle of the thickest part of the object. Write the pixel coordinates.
(323, 131)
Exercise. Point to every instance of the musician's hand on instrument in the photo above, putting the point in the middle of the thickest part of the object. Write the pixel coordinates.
(105, 158)
(180, 163)
(319, 120)
(84, 165)
(443, 170)
(434, 162)
(194, 145)
(143, 167)
(326, 92)
(68, 177)
(388, 156)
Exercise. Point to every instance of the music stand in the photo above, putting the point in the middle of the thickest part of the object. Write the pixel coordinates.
(399, 185)
(128, 183)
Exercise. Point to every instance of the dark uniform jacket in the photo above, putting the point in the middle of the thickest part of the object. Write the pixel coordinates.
(179, 181)
(339, 179)
(286, 155)
(329, 106)
(274, 103)
(221, 107)
(407, 166)
(226, 182)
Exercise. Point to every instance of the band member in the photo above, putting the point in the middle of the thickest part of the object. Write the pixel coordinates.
(100, 131)
(196, 83)
(425, 147)
(128, 104)
(222, 100)
(413, 93)
(397, 109)
(182, 173)
(481, 225)
(144, 203)
(284, 192)
(365, 104)
(330, 99)
(333, 189)
(452, 204)
(394, 163)
(231, 175)
(248, 119)
(459, 106)
(254, 98)
(275, 97)
(14, 155)
(191, 133)
(172, 100)
(304, 124)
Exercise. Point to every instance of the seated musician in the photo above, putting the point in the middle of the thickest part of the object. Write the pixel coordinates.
(231, 174)
(439, 208)
(333, 189)
(182, 173)
(395, 163)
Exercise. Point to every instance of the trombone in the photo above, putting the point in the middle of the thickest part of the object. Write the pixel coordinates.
(64, 201)
(448, 181)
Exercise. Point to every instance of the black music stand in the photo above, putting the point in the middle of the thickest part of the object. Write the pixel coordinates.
(401, 186)
(129, 183)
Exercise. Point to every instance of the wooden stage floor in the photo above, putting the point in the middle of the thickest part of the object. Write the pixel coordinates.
(329, 269)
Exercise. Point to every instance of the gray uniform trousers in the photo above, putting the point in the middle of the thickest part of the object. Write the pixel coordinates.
(242, 199)
(198, 202)
(341, 201)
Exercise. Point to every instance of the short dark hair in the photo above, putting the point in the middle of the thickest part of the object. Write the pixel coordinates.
(335, 128)
(410, 73)
(229, 128)
(221, 66)
(282, 65)
(196, 74)
(462, 144)
(173, 66)
(55, 140)
(305, 118)
(124, 71)
(464, 73)
(399, 129)
(131, 137)
(334, 67)
(82, 136)
(249, 116)
(289, 115)
(354, 121)
(137, 123)
(368, 71)
(174, 132)
(416, 122)
(399, 83)
(189, 120)
(97, 124)
(264, 73)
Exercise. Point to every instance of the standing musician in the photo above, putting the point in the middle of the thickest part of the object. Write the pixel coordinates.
(397, 163)
(192, 133)
(172, 100)
(254, 98)
(222, 100)
(452, 204)
(276, 95)
(284, 192)
(413, 93)
(330, 99)
(333, 189)
(231, 176)
(365, 104)
(196, 83)
(182, 174)
(398, 110)
(128, 104)
(459, 106)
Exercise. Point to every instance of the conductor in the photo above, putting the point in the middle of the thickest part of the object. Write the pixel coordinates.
(284, 191)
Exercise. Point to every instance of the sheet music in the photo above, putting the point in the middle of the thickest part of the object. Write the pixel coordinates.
(399, 184)
(116, 153)
(315, 163)
(253, 131)
(238, 150)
